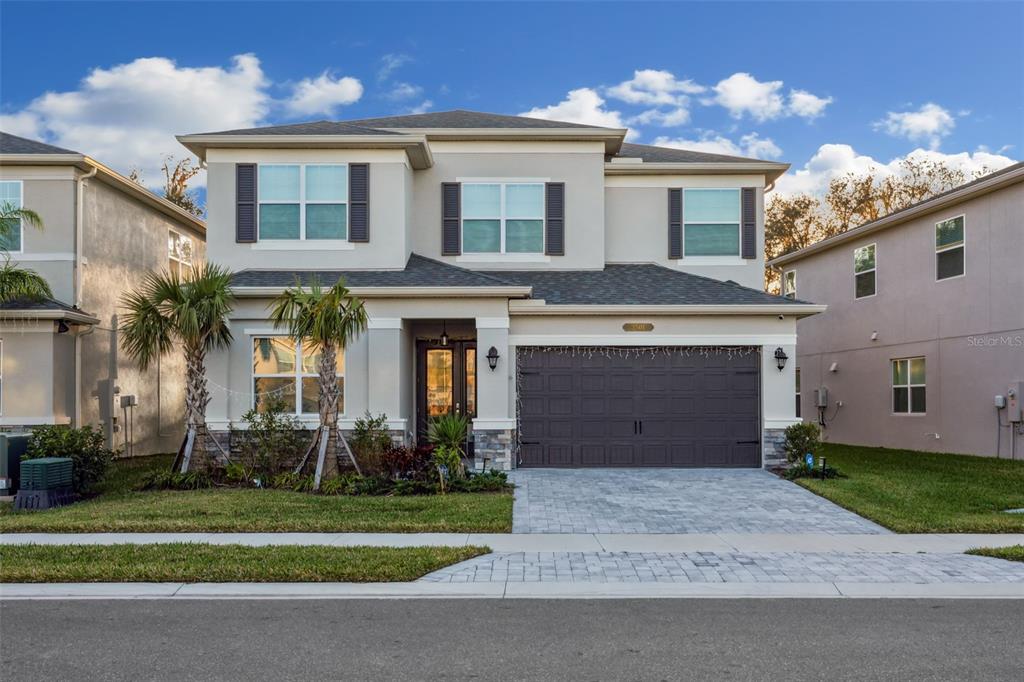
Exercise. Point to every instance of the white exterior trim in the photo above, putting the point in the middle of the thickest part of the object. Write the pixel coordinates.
(42, 257)
(302, 245)
(685, 261)
(384, 323)
(503, 257)
(34, 421)
(780, 423)
(538, 307)
(644, 339)
(493, 424)
(492, 323)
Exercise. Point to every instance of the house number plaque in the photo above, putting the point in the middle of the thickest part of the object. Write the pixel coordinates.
(638, 327)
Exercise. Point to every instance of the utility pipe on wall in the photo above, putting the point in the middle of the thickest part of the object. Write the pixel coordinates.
(77, 284)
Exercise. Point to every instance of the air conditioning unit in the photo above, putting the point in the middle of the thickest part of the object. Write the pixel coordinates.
(12, 447)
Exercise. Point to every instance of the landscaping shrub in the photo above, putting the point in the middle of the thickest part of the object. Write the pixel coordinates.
(486, 481)
(801, 439)
(273, 442)
(402, 462)
(448, 461)
(369, 440)
(85, 446)
(801, 470)
(449, 430)
(175, 480)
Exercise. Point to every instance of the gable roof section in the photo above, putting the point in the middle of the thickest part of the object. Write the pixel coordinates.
(12, 144)
(983, 185)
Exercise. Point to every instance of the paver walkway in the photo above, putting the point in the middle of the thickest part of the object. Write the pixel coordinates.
(724, 567)
(673, 501)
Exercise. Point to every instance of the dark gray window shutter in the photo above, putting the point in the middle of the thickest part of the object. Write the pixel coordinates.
(675, 223)
(245, 203)
(554, 219)
(359, 202)
(749, 218)
(451, 211)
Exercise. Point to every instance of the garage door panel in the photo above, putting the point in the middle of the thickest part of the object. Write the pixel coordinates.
(580, 409)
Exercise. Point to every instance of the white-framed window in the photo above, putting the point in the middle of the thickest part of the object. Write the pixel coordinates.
(949, 248)
(789, 284)
(864, 271)
(908, 386)
(797, 392)
(303, 201)
(11, 196)
(179, 252)
(711, 222)
(503, 217)
(287, 372)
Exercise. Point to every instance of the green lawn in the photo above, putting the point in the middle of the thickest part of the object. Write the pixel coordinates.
(924, 492)
(120, 509)
(1012, 553)
(223, 563)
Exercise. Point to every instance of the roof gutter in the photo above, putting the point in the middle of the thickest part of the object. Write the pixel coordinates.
(771, 170)
(539, 307)
(55, 315)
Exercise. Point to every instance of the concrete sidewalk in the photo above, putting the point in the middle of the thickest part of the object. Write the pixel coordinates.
(559, 542)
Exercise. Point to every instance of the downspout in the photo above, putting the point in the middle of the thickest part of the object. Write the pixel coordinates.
(79, 235)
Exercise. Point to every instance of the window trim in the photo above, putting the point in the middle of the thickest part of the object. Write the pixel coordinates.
(298, 375)
(909, 386)
(785, 282)
(874, 269)
(943, 249)
(302, 202)
(170, 255)
(21, 226)
(709, 259)
(502, 218)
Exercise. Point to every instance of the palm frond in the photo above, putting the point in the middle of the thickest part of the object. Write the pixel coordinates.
(11, 216)
(22, 283)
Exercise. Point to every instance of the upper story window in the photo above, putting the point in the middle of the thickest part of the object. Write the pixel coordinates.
(303, 201)
(949, 248)
(908, 386)
(179, 252)
(286, 372)
(711, 222)
(789, 284)
(503, 217)
(864, 271)
(11, 198)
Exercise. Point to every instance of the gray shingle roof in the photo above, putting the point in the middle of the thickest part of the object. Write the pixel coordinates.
(38, 304)
(418, 272)
(652, 154)
(311, 128)
(12, 144)
(637, 284)
(461, 118)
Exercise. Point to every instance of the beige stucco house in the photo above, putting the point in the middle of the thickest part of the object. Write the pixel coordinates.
(924, 334)
(59, 359)
(585, 301)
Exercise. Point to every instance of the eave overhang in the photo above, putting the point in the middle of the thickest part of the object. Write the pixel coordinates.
(540, 307)
(772, 171)
(415, 146)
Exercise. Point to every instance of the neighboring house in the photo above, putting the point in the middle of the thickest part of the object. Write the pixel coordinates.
(59, 359)
(925, 322)
(585, 301)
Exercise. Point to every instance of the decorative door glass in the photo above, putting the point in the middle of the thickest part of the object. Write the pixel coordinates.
(440, 397)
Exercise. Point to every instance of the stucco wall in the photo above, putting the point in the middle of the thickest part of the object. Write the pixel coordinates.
(27, 367)
(969, 329)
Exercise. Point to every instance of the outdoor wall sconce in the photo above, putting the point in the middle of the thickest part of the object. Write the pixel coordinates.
(780, 358)
(492, 358)
(444, 333)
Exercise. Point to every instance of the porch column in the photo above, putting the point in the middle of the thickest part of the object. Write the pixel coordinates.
(778, 395)
(494, 426)
(384, 376)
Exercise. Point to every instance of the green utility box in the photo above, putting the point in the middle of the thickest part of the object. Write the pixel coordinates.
(46, 473)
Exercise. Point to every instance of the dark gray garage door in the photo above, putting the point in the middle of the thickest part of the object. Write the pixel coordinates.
(666, 409)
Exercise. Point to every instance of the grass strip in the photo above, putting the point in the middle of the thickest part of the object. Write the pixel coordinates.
(191, 563)
(1012, 553)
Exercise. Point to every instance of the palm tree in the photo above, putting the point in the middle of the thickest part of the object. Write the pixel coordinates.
(323, 321)
(15, 282)
(169, 314)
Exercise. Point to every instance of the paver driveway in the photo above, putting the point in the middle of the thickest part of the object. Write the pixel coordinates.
(672, 501)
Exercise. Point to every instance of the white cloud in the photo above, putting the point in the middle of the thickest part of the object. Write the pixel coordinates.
(750, 145)
(807, 105)
(834, 160)
(929, 123)
(582, 105)
(651, 86)
(323, 94)
(22, 124)
(400, 91)
(665, 119)
(389, 63)
(423, 107)
(743, 94)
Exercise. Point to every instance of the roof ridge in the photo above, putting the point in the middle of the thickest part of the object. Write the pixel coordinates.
(413, 254)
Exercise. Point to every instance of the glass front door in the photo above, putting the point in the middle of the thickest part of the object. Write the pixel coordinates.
(446, 381)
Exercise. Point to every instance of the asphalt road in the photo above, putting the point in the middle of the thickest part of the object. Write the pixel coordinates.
(512, 639)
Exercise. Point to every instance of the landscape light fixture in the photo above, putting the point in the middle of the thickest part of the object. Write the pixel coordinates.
(492, 358)
(780, 358)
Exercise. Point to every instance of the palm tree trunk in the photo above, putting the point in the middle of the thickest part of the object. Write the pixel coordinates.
(197, 397)
(329, 407)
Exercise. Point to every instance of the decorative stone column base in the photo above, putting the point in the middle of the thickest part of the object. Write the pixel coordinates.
(493, 449)
(772, 444)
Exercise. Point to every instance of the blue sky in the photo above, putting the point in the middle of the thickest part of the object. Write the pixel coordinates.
(827, 87)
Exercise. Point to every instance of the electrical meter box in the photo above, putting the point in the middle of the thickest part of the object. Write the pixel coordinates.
(821, 397)
(1013, 402)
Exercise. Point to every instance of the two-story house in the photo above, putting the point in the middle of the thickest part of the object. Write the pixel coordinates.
(59, 359)
(585, 301)
(922, 346)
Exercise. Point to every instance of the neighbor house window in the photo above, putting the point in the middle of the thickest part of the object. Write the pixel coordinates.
(789, 284)
(10, 198)
(285, 373)
(864, 271)
(502, 217)
(908, 391)
(798, 392)
(308, 201)
(949, 248)
(179, 252)
(711, 222)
